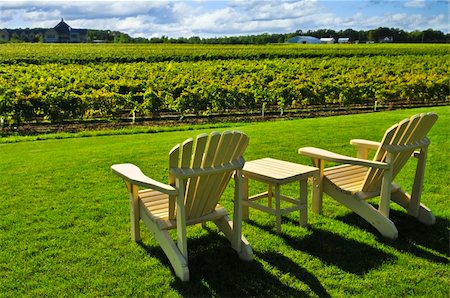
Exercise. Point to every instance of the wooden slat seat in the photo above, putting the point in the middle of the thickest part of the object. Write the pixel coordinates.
(155, 205)
(348, 178)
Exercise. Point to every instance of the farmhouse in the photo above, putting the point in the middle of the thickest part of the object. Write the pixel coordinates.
(304, 40)
(51, 35)
(60, 33)
(63, 33)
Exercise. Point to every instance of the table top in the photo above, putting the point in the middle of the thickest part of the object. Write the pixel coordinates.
(277, 171)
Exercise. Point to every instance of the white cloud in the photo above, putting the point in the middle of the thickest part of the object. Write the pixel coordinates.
(415, 3)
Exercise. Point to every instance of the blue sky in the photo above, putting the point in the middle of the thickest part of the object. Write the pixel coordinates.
(206, 18)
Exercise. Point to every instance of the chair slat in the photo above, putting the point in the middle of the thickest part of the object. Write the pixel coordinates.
(186, 153)
(408, 131)
(174, 157)
(418, 131)
(209, 197)
(211, 150)
(410, 135)
(379, 156)
(203, 182)
(373, 180)
(197, 159)
(239, 143)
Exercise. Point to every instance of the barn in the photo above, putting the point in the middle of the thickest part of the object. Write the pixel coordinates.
(304, 40)
(64, 33)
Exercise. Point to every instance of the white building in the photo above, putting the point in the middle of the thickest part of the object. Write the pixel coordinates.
(327, 40)
(343, 40)
(304, 40)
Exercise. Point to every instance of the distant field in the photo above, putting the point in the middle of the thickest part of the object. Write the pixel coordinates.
(58, 82)
(119, 53)
(65, 230)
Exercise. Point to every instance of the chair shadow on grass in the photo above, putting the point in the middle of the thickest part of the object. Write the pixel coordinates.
(216, 270)
(413, 236)
(349, 255)
(286, 265)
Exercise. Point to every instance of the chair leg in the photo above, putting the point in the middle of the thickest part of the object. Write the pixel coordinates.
(380, 222)
(134, 211)
(425, 215)
(226, 226)
(173, 253)
(317, 187)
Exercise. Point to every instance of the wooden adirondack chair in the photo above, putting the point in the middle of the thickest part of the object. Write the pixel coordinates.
(359, 179)
(198, 175)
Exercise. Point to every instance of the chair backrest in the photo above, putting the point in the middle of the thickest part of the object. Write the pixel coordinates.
(218, 150)
(402, 138)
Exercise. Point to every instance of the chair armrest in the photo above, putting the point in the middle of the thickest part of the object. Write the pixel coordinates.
(134, 175)
(365, 144)
(334, 157)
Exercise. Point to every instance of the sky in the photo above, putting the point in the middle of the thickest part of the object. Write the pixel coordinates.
(210, 18)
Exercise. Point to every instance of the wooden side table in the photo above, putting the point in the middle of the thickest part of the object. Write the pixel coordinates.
(275, 173)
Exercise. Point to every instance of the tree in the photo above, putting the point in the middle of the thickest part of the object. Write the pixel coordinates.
(415, 36)
(431, 35)
(121, 37)
(372, 35)
(350, 33)
(383, 32)
(399, 35)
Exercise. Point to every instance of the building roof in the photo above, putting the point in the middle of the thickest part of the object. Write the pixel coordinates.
(300, 39)
(80, 31)
(62, 27)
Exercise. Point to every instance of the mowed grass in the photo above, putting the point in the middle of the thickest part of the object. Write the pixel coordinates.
(64, 222)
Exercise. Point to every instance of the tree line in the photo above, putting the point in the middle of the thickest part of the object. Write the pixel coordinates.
(375, 35)
(380, 34)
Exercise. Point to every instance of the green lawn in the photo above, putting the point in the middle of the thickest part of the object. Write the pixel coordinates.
(64, 222)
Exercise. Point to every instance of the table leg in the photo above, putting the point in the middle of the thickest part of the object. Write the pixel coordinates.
(245, 212)
(278, 207)
(269, 195)
(303, 202)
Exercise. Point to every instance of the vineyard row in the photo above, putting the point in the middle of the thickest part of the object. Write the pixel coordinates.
(130, 53)
(70, 91)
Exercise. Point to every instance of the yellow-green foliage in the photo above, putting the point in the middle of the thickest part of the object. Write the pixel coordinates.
(60, 82)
